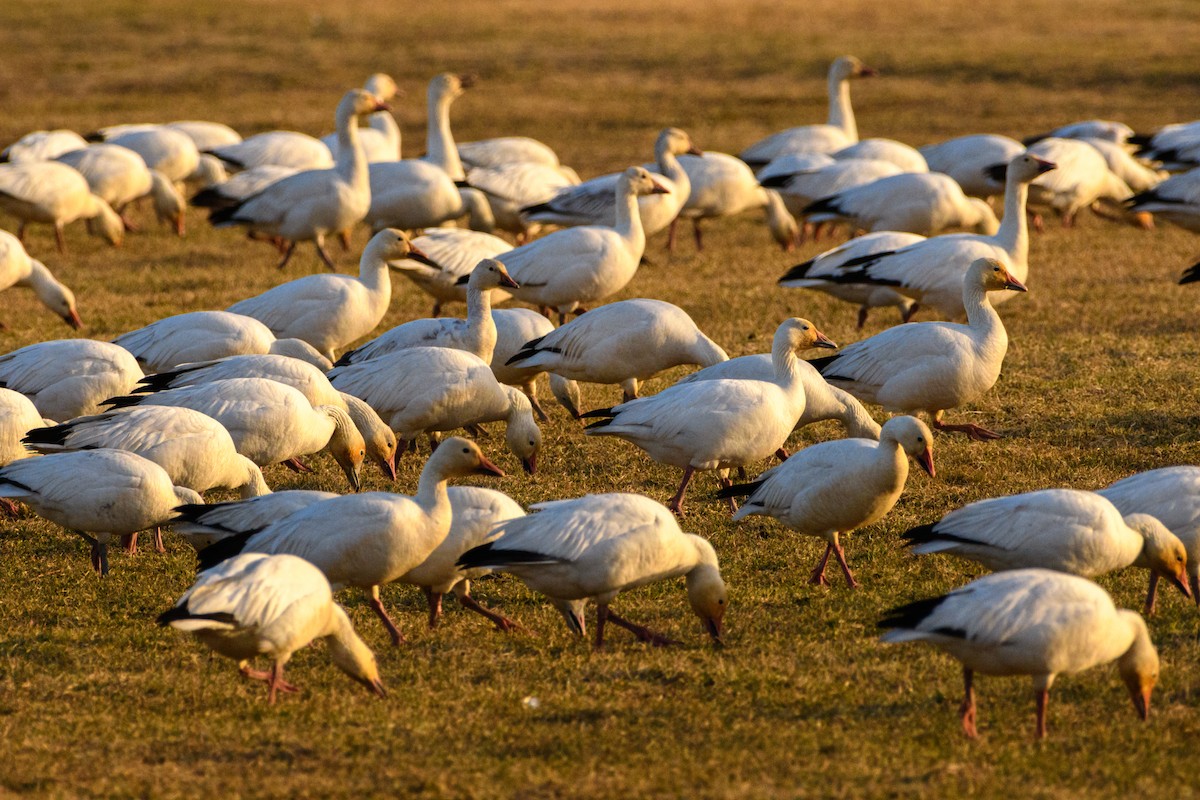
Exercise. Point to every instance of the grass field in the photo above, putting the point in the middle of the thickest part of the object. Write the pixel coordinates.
(1100, 381)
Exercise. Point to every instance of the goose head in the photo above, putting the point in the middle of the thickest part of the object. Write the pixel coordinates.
(522, 434)
(391, 244)
(847, 67)
(358, 103)
(993, 276)
(346, 445)
(106, 223)
(352, 656)
(1024, 167)
(382, 86)
(798, 335)
(449, 86)
(169, 205)
(677, 142)
(459, 457)
(379, 438)
(640, 182)
(1163, 553)
(1139, 665)
(57, 297)
(914, 439)
(707, 593)
(488, 274)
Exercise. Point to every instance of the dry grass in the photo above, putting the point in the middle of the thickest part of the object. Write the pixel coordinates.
(1101, 380)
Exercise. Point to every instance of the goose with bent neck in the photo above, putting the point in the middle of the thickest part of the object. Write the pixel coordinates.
(18, 269)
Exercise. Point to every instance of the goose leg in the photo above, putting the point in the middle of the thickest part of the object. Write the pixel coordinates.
(537, 408)
(698, 235)
(437, 308)
(277, 683)
(643, 633)
(863, 310)
(287, 255)
(601, 618)
(320, 245)
(501, 622)
(59, 238)
(434, 599)
(21, 232)
(296, 465)
(99, 553)
(159, 547)
(676, 503)
(246, 671)
(344, 238)
(817, 578)
(906, 316)
(9, 507)
(377, 607)
(629, 390)
(725, 482)
(129, 542)
(974, 432)
(1151, 594)
(967, 709)
(782, 454)
(671, 235)
(1043, 699)
(841, 557)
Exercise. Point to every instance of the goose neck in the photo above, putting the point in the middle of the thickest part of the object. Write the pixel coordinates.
(1013, 235)
(841, 113)
(352, 161)
(481, 328)
(439, 140)
(628, 219)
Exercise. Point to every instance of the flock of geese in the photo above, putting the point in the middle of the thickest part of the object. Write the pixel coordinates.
(128, 435)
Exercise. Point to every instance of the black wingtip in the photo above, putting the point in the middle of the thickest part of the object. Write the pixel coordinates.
(485, 555)
(52, 435)
(126, 401)
(211, 198)
(600, 412)
(775, 181)
(463, 184)
(1190, 275)
(824, 205)
(347, 358)
(181, 612)
(223, 216)
(996, 172)
(919, 534)
(798, 271)
(910, 615)
(739, 490)
(93, 136)
(222, 550)
(537, 208)
(822, 363)
(1140, 139)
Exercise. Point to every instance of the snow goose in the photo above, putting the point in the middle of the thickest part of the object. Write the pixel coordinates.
(443, 90)
(457, 251)
(967, 159)
(53, 193)
(1177, 200)
(427, 390)
(207, 335)
(718, 424)
(931, 271)
(278, 148)
(840, 131)
(521, 184)
(270, 423)
(818, 271)
(932, 366)
(119, 176)
(380, 535)
(18, 269)
(597, 546)
(195, 450)
(69, 378)
(903, 156)
(241, 186)
(1032, 622)
(1117, 133)
(203, 525)
(204, 134)
(1080, 533)
(800, 186)
(1081, 178)
(476, 334)
(167, 151)
(42, 146)
(1176, 147)
(1136, 175)
(506, 150)
(256, 605)
(100, 492)
(515, 327)
(381, 138)
(925, 203)
(723, 186)
(1171, 495)
(594, 202)
(621, 343)
(18, 416)
(571, 268)
(833, 488)
(331, 311)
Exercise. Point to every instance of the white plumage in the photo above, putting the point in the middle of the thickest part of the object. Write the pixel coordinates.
(902, 155)
(165, 150)
(298, 151)
(723, 186)
(55, 194)
(512, 186)
(18, 416)
(1177, 200)
(456, 251)
(1080, 179)
(69, 378)
(42, 146)
(801, 183)
(203, 525)
(119, 176)
(506, 150)
(926, 203)
(18, 269)
(967, 159)
(380, 139)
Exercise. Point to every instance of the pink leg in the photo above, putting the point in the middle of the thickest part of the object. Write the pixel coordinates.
(129, 542)
(287, 255)
(277, 683)
(841, 557)
(1151, 594)
(344, 238)
(1043, 698)
(725, 484)
(377, 607)
(296, 465)
(601, 618)
(320, 244)
(818, 575)
(501, 622)
(671, 235)
(642, 633)
(698, 235)
(434, 600)
(676, 503)
(9, 507)
(58, 237)
(967, 709)
(159, 547)
(973, 432)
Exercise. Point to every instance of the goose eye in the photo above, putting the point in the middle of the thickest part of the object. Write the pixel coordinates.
(466, 449)
(720, 602)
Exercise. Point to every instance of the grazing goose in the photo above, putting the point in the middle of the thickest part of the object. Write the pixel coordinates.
(18, 269)
(1030, 622)
(204, 134)
(256, 605)
(594, 202)
(169, 152)
(380, 535)
(841, 130)
(42, 146)
(427, 390)
(276, 148)
(723, 423)
(506, 150)
(596, 547)
(312, 203)
(1136, 175)
(457, 251)
(18, 416)
(515, 327)
(579, 266)
(1177, 200)
(119, 176)
(1176, 147)
(1080, 533)
(833, 488)
(1171, 495)
(69, 378)
(723, 186)
(270, 422)
(932, 366)
(817, 272)
(100, 492)
(621, 343)
(1117, 133)
(53, 193)
(195, 450)
(1081, 179)
(967, 159)
(381, 138)
(903, 156)
(931, 271)
(203, 525)
(331, 311)
(208, 335)
(925, 203)
(800, 185)
(522, 184)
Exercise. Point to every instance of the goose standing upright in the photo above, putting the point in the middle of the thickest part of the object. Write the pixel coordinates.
(68, 378)
(380, 139)
(18, 269)
(56, 194)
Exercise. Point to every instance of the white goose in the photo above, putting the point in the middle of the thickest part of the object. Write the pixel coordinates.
(723, 186)
(621, 343)
(18, 416)
(1176, 147)
(932, 366)
(380, 535)
(457, 251)
(1080, 180)
(119, 176)
(241, 186)
(55, 194)
(598, 546)
(840, 131)
(100, 492)
(171, 153)
(1031, 622)
(208, 335)
(513, 186)
(1136, 175)
(270, 423)
(967, 159)
(1117, 133)
(1066, 530)
(310, 204)
(69, 378)
(515, 327)
(579, 266)
(719, 424)
(925, 203)
(1177, 200)
(801, 185)
(331, 311)
(42, 146)
(195, 450)
(506, 150)
(18, 269)
(903, 156)
(381, 138)
(277, 148)
(833, 488)
(271, 605)
(203, 525)
(204, 134)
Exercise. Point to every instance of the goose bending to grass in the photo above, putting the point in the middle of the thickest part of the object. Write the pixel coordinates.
(1066, 530)
(42, 146)
(932, 366)
(194, 449)
(1080, 180)
(718, 424)
(840, 131)
(277, 148)
(256, 605)
(1177, 200)
(456, 251)
(169, 152)
(55, 194)
(596, 547)
(69, 378)
(802, 185)
(926, 203)
(203, 525)
(903, 156)
(312, 203)
(208, 335)
(119, 176)
(1171, 495)
(621, 343)
(380, 138)
(1032, 622)
(1117, 133)
(1136, 175)
(967, 159)
(18, 416)
(513, 186)
(18, 269)
(380, 535)
(270, 423)
(833, 488)
(331, 311)
(723, 186)
(96, 494)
